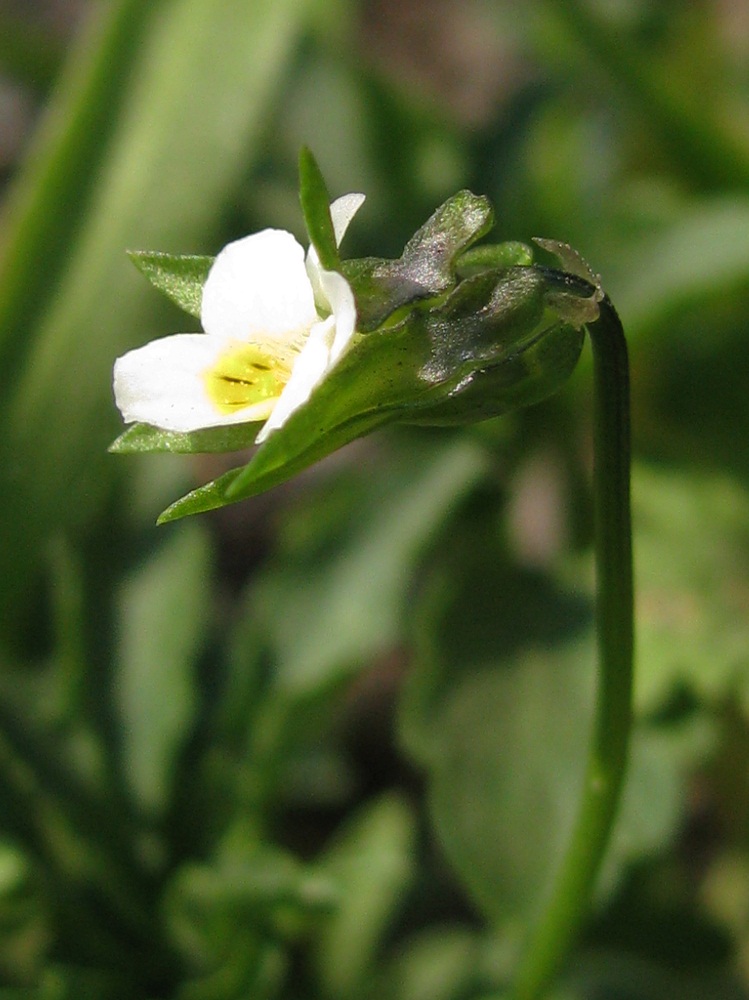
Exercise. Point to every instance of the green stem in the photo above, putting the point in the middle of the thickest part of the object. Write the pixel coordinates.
(607, 760)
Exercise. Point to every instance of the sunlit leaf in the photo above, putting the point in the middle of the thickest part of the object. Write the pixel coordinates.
(315, 200)
(142, 438)
(180, 277)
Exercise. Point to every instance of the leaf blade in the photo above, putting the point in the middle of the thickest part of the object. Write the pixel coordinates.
(315, 199)
(179, 276)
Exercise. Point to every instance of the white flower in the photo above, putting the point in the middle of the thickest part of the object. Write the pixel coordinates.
(275, 324)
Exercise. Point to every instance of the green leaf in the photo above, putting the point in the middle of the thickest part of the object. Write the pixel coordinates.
(426, 267)
(315, 200)
(509, 746)
(255, 881)
(692, 534)
(702, 255)
(438, 963)
(492, 257)
(49, 197)
(372, 863)
(162, 626)
(142, 438)
(181, 277)
(497, 710)
(653, 801)
(326, 615)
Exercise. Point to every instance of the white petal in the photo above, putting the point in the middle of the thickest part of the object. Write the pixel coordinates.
(258, 288)
(309, 369)
(338, 293)
(163, 384)
(342, 211)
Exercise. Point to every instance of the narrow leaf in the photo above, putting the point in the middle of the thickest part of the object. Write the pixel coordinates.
(162, 622)
(162, 184)
(45, 204)
(315, 200)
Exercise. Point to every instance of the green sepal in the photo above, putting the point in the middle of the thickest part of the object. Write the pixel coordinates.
(313, 194)
(572, 262)
(493, 256)
(426, 268)
(141, 438)
(491, 346)
(180, 276)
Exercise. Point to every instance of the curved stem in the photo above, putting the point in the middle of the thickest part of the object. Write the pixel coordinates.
(607, 756)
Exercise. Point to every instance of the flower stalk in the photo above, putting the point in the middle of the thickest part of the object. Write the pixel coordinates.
(569, 903)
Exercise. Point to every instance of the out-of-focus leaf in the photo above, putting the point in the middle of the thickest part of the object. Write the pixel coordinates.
(23, 917)
(50, 195)
(529, 723)
(329, 617)
(623, 973)
(165, 177)
(372, 863)
(477, 612)
(69, 615)
(181, 277)
(652, 804)
(28, 53)
(703, 253)
(438, 964)
(702, 149)
(163, 619)
(692, 574)
(509, 659)
(259, 885)
(524, 759)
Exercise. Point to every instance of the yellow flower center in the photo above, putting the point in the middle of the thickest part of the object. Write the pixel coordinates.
(247, 375)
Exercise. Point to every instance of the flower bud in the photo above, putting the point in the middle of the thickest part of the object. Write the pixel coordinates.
(501, 340)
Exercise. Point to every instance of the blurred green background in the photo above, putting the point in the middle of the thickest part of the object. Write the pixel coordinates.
(326, 744)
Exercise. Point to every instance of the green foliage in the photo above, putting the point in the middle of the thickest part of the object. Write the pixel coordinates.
(162, 620)
(315, 200)
(372, 863)
(693, 558)
(326, 742)
(181, 277)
